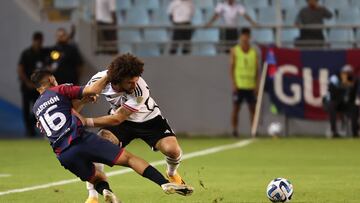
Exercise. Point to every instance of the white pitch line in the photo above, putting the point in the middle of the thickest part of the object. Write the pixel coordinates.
(4, 175)
(128, 170)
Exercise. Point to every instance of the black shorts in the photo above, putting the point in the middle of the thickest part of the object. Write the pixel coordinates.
(85, 150)
(150, 131)
(248, 95)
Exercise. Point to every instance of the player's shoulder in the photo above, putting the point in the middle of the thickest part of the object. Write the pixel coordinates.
(101, 73)
(97, 76)
(141, 88)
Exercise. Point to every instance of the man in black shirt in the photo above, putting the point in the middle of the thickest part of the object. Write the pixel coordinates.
(341, 97)
(31, 59)
(65, 58)
(313, 14)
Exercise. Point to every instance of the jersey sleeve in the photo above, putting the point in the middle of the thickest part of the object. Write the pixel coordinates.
(241, 10)
(69, 91)
(219, 8)
(112, 5)
(138, 98)
(97, 77)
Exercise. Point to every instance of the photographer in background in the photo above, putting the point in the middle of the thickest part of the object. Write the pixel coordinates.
(341, 97)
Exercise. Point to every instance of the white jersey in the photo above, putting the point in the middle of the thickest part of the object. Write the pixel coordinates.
(139, 102)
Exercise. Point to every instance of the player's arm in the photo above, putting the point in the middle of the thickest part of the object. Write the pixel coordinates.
(110, 120)
(213, 19)
(78, 104)
(232, 68)
(95, 87)
(250, 20)
(257, 78)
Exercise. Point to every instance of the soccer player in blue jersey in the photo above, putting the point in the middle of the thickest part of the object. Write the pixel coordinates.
(76, 148)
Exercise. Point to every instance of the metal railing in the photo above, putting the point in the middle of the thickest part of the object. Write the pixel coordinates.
(103, 45)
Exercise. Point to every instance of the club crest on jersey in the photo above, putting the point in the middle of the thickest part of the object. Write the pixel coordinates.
(139, 99)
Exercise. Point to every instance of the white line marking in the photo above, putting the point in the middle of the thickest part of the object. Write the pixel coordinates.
(128, 170)
(4, 175)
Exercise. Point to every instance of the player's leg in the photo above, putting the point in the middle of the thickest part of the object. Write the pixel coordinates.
(251, 100)
(93, 194)
(78, 160)
(237, 99)
(102, 186)
(170, 147)
(144, 169)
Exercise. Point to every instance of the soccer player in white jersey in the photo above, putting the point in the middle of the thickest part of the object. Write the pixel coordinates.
(138, 115)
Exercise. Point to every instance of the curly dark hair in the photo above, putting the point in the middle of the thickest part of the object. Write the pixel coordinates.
(125, 66)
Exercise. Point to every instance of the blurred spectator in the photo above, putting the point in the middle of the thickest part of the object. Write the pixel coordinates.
(313, 14)
(341, 97)
(105, 15)
(229, 11)
(31, 59)
(181, 12)
(66, 60)
(244, 74)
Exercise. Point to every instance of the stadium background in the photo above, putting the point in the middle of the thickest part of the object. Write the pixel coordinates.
(202, 104)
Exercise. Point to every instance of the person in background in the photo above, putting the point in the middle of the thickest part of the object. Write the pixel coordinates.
(341, 98)
(229, 11)
(105, 15)
(244, 67)
(181, 12)
(66, 60)
(31, 59)
(312, 14)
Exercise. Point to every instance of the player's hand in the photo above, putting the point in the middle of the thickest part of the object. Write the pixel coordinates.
(90, 99)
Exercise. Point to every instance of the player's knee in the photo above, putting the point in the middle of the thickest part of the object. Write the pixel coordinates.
(173, 152)
(108, 135)
(124, 159)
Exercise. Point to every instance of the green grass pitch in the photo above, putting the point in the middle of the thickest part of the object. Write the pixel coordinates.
(321, 170)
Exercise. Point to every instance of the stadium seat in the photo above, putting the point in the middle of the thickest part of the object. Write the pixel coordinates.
(197, 18)
(125, 48)
(290, 15)
(243, 21)
(289, 35)
(256, 3)
(123, 5)
(203, 50)
(263, 36)
(206, 35)
(137, 16)
(148, 4)
(340, 38)
(287, 3)
(66, 4)
(348, 16)
(357, 38)
(147, 50)
(156, 35)
(267, 16)
(159, 17)
(355, 4)
(129, 36)
(204, 4)
(336, 3)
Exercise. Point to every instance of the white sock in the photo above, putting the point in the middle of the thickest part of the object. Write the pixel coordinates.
(173, 164)
(90, 187)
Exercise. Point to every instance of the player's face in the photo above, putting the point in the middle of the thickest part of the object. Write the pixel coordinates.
(128, 85)
(245, 39)
(312, 3)
(61, 36)
(231, 2)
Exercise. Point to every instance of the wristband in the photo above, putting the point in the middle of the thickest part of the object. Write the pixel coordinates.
(90, 122)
